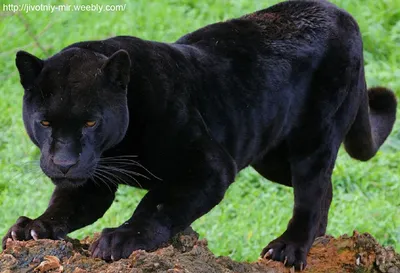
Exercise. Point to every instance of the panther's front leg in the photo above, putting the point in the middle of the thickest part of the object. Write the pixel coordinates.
(70, 208)
(172, 207)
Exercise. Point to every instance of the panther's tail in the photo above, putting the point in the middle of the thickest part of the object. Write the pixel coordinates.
(373, 123)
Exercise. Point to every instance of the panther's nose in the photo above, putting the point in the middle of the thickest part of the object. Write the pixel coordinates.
(64, 165)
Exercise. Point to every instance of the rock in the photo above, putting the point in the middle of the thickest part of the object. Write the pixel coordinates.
(188, 254)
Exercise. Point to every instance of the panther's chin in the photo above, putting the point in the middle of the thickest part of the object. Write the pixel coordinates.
(68, 182)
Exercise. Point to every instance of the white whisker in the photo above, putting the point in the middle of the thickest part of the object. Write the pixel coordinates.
(100, 177)
(123, 172)
(127, 162)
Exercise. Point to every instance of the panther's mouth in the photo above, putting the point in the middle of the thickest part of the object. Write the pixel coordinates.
(68, 181)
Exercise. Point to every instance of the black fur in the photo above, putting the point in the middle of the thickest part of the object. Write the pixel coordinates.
(279, 89)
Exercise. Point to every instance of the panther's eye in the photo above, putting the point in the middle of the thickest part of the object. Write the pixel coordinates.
(90, 123)
(45, 123)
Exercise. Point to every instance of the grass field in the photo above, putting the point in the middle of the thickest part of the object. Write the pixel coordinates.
(366, 195)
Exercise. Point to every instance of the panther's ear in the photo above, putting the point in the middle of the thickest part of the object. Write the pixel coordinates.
(117, 68)
(29, 68)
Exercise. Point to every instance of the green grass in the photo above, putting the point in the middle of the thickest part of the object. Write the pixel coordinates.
(366, 195)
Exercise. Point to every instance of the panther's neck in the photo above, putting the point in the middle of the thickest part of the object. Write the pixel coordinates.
(161, 73)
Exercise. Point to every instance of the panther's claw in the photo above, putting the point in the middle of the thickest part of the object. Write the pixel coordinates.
(301, 266)
(14, 235)
(268, 254)
(34, 235)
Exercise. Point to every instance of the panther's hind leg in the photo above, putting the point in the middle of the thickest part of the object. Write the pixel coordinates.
(334, 99)
(311, 165)
(274, 166)
(325, 204)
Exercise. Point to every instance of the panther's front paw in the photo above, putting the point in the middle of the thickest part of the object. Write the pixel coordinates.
(119, 243)
(287, 251)
(26, 229)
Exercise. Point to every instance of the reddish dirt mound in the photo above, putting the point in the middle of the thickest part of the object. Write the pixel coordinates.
(357, 253)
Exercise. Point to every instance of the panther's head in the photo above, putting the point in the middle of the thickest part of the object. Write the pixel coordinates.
(74, 108)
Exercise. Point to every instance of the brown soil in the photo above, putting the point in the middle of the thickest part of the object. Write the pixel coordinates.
(358, 253)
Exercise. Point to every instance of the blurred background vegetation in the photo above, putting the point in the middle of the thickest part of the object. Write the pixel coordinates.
(255, 211)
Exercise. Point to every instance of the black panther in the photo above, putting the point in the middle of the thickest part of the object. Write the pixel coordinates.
(279, 90)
